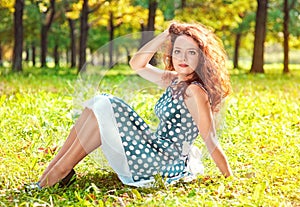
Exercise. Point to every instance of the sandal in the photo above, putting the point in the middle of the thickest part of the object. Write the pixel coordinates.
(68, 180)
(32, 187)
(65, 182)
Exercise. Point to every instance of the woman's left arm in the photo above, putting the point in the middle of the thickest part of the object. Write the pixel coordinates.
(198, 104)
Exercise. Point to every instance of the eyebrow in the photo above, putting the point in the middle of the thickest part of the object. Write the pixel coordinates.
(187, 48)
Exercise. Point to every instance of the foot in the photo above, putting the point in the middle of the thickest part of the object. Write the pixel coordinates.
(32, 187)
(68, 180)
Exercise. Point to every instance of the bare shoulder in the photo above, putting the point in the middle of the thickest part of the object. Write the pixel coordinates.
(196, 93)
(197, 102)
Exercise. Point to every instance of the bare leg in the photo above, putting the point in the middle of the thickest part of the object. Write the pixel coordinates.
(71, 138)
(84, 138)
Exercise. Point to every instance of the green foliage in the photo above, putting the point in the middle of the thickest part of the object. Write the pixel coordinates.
(275, 22)
(224, 17)
(32, 24)
(260, 137)
(6, 27)
(95, 40)
(168, 7)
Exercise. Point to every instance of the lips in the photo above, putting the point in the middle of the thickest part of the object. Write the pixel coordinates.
(183, 65)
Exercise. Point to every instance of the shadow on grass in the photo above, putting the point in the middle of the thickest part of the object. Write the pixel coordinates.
(104, 180)
(108, 181)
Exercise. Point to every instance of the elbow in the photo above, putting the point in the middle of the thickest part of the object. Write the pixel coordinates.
(132, 64)
(135, 65)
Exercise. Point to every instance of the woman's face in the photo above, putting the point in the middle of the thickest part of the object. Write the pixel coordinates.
(185, 56)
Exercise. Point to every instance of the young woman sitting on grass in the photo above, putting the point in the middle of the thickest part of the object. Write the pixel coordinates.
(195, 81)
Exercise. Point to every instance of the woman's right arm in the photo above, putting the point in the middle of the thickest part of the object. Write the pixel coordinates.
(140, 61)
(198, 105)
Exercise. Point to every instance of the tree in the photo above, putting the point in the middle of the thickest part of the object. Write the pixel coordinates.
(58, 39)
(111, 28)
(151, 14)
(84, 27)
(6, 28)
(112, 25)
(32, 29)
(72, 14)
(259, 39)
(112, 20)
(73, 42)
(183, 4)
(118, 17)
(48, 16)
(232, 21)
(243, 28)
(148, 31)
(1, 56)
(286, 10)
(18, 35)
(148, 35)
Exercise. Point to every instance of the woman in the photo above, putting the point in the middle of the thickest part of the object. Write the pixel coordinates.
(196, 81)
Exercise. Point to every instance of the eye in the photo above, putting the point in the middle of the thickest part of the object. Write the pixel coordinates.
(176, 51)
(192, 52)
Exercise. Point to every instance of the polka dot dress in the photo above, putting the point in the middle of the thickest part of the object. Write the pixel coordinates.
(146, 153)
(160, 152)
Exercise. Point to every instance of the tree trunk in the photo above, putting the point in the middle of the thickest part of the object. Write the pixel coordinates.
(46, 24)
(144, 32)
(286, 37)
(151, 14)
(1, 58)
(44, 35)
(103, 59)
(56, 55)
(73, 42)
(183, 4)
(111, 37)
(84, 27)
(27, 56)
(236, 50)
(260, 35)
(33, 55)
(148, 31)
(18, 35)
(117, 56)
(151, 25)
(67, 56)
(127, 54)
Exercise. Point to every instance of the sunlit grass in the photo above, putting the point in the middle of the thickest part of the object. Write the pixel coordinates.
(260, 137)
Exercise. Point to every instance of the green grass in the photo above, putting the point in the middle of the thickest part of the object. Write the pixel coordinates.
(260, 138)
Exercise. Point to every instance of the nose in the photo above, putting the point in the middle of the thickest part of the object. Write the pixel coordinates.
(182, 56)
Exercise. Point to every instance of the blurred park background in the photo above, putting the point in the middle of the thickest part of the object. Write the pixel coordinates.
(45, 44)
(54, 33)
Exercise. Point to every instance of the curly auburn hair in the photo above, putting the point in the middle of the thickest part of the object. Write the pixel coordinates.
(211, 71)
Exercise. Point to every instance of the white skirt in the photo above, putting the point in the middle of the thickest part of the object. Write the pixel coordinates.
(112, 147)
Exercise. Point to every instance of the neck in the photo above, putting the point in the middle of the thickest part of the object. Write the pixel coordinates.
(183, 77)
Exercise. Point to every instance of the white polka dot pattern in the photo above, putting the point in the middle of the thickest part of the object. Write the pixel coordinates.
(149, 153)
